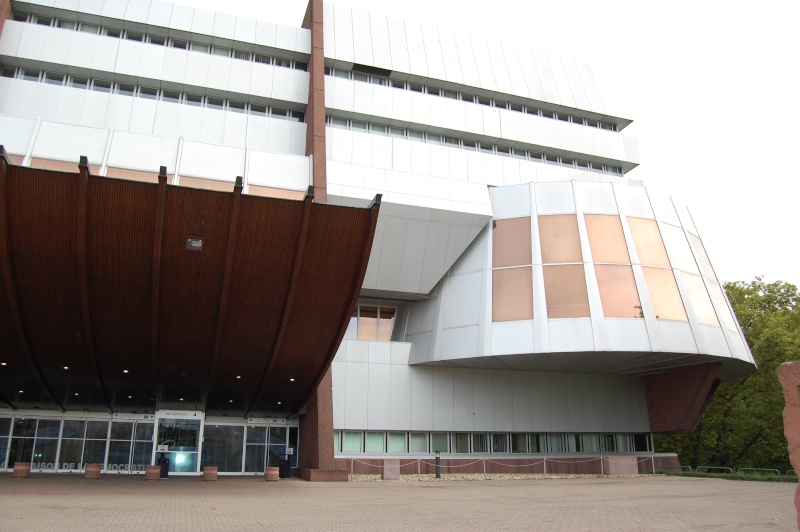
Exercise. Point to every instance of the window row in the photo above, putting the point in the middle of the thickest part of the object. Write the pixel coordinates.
(159, 40)
(370, 322)
(471, 145)
(471, 98)
(150, 93)
(487, 443)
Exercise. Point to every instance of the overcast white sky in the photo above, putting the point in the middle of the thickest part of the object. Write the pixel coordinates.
(712, 87)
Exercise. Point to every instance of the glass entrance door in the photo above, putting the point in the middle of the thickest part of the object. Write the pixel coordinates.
(180, 441)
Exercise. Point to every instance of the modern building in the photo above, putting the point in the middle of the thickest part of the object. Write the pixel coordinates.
(369, 239)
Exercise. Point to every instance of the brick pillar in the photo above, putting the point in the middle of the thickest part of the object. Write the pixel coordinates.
(6, 13)
(315, 111)
(316, 461)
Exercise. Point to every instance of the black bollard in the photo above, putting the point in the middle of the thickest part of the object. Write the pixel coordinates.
(438, 465)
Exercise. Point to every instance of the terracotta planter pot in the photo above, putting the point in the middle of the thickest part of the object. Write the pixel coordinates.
(271, 474)
(210, 472)
(92, 471)
(23, 470)
(152, 472)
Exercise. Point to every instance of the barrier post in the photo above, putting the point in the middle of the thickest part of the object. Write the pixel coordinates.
(438, 465)
(602, 472)
(545, 466)
(484, 469)
(418, 476)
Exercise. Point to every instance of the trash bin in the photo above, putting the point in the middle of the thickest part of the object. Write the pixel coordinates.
(285, 469)
(164, 463)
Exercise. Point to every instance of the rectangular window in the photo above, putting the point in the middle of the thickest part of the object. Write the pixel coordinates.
(102, 86)
(89, 28)
(565, 291)
(434, 91)
(65, 24)
(664, 294)
(194, 100)
(648, 243)
(377, 80)
(8, 72)
(223, 52)
(397, 132)
(440, 442)
(555, 443)
(551, 159)
(396, 442)
(467, 98)
(597, 168)
(52, 78)
(459, 442)
(538, 443)
(570, 163)
(358, 126)
(576, 120)
(500, 104)
(532, 110)
(415, 87)
(237, 107)
(351, 442)
(606, 239)
(30, 75)
(591, 443)
(468, 144)
(485, 147)
(609, 443)
(451, 141)
(157, 39)
(607, 126)
(79, 82)
(484, 101)
(374, 442)
(300, 66)
(503, 151)
(285, 63)
(499, 443)
(559, 240)
(548, 114)
(113, 32)
(512, 294)
(641, 443)
(574, 444)
(582, 165)
(148, 93)
(260, 110)
(263, 59)
(699, 299)
(20, 17)
(277, 112)
(357, 76)
(515, 107)
(125, 89)
(340, 123)
(177, 43)
(533, 156)
(239, 54)
(378, 129)
(453, 95)
(418, 442)
(171, 96)
(511, 242)
(433, 138)
(519, 443)
(618, 291)
(215, 103)
(480, 443)
(337, 441)
(386, 323)
(397, 84)
(368, 323)
(416, 135)
(519, 154)
(42, 20)
(134, 36)
(199, 47)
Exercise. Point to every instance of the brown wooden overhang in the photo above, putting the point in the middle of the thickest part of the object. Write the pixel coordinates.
(96, 276)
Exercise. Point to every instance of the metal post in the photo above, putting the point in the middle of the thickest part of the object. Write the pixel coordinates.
(653, 460)
(418, 477)
(601, 466)
(484, 469)
(545, 466)
(438, 465)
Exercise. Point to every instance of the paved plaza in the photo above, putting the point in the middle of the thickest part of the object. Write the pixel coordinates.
(64, 503)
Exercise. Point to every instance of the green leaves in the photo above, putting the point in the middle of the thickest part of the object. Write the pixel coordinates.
(743, 424)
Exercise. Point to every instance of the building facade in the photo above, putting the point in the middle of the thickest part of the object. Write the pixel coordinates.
(523, 297)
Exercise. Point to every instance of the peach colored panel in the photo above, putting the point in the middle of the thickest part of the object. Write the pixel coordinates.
(699, 299)
(206, 184)
(368, 323)
(565, 291)
(511, 242)
(132, 175)
(512, 294)
(664, 294)
(386, 323)
(618, 291)
(254, 190)
(606, 239)
(648, 242)
(16, 160)
(558, 236)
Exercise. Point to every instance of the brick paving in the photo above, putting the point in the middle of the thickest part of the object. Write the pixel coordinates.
(121, 502)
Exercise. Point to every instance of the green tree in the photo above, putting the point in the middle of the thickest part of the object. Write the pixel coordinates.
(743, 424)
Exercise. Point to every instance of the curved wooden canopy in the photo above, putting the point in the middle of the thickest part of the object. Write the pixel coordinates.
(104, 308)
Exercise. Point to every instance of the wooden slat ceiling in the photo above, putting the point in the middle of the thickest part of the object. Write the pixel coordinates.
(96, 278)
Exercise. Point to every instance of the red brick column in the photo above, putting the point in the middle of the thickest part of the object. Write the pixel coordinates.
(315, 460)
(6, 12)
(315, 112)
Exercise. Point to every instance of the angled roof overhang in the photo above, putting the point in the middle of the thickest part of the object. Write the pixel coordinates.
(99, 276)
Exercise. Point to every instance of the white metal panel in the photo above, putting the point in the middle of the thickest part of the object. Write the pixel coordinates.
(190, 122)
(511, 201)
(278, 170)
(460, 343)
(484, 63)
(362, 98)
(356, 396)
(484, 400)
(576, 402)
(151, 64)
(554, 198)
(494, 170)
(398, 45)
(266, 34)
(379, 35)
(416, 238)
(626, 404)
(379, 397)
(224, 31)
(596, 198)
(174, 70)
(136, 15)
(32, 42)
(391, 253)
(382, 101)
(357, 351)
(344, 94)
(202, 24)
(546, 78)
(560, 78)
(539, 407)
(15, 133)
(401, 156)
(44, 102)
(521, 401)
(459, 164)
(596, 390)
(420, 158)
(63, 142)
(633, 201)
(244, 33)
(575, 83)
(592, 94)
(10, 37)
(241, 76)
(416, 49)
(515, 72)
(212, 127)
(531, 74)
(440, 162)
(713, 341)
(211, 162)
(401, 397)
(197, 69)
(449, 49)
(343, 35)
(283, 84)
(180, 21)
(512, 337)
(491, 120)
(421, 398)
(499, 67)
(113, 12)
(56, 47)
(570, 334)
(328, 39)
(128, 58)
(433, 52)
(677, 337)
(442, 382)
(286, 39)
(89, 11)
(678, 250)
(279, 136)
(382, 154)
(627, 334)
(474, 118)
(362, 155)
(362, 38)
(477, 167)
(142, 152)
(167, 119)
(466, 58)
(158, 16)
(118, 110)
(463, 400)
(339, 382)
(435, 252)
(235, 129)
(559, 387)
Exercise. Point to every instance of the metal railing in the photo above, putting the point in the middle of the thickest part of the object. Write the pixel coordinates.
(756, 469)
(714, 468)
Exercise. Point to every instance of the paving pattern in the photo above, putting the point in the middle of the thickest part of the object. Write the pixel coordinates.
(121, 502)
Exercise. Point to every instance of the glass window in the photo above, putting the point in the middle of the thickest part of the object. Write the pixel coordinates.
(193, 99)
(576, 120)
(538, 443)
(559, 240)
(239, 54)
(570, 163)
(285, 63)
(89, 28)
(113, 32)
(358, 126)
(418, 442)
(377, 80)
(42, 20)
(102, 86)
(511, 242)
(532, 110)
(702, 257)
(607, 126)
(459, 442)
(215, 103)
(574, 444)
(298, 65)
(533, 156)
(177, 43)
(30, 75)
(440, 442)
(467, 98)
(20, 17)
(555, 443)
(351, 442)
(512, 294)
(503, 151)
(606, 239)
(78, 82)
(397, 132)
(357, 76)
(485, 147)
(596, 168)
(618, 291)
(218, 50)
(451, 141)
(582, 165)
(96, 430)
(171, 96)
(499, 443)
(261, 110)
(515, 107)
(368, 323)
(157, 39)
(415, 87)
(453, 95)
(548, 114)
(641, 443)
(480, 443)
(386, 323)
(121, 430)
(519, 443)
(623, 443)
(416, 135)
(337, 441)
(565, 291)
(237, 107)
(374, 442)
(65, 24)
(397, 84)
(647, 239)
(7, 71)
(199, 47)
(721, 304)
(148, 93)
(433, 138)
(591, 443)
(664, 294)
(680, 253)
(699, 299)
(53, 79)
(222, 447)
(396, 442)
(263, 59)
(340, 123)
(551, 159)
(134, 36)
(519, 154)
(125, 89)
(378, 129)
(468, 144)
(483, 100)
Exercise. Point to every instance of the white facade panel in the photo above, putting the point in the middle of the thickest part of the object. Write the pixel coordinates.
(596, 198)
(442, 382)
(401, 396)
(398, 45)
(362, 38)
(63, 142)
(142, 152)
(546, 78)
(532, 81)
(356, 396)
(433, 52)
(570, 334)
(379, 396)
(343, 35)
(212, 162)
(554, 198)
(518, 83)
(418, 64)
(379, 35)
(512, 337)
(482, 59)
(499, 67)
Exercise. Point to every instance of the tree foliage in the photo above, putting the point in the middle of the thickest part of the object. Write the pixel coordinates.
(743, 424)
